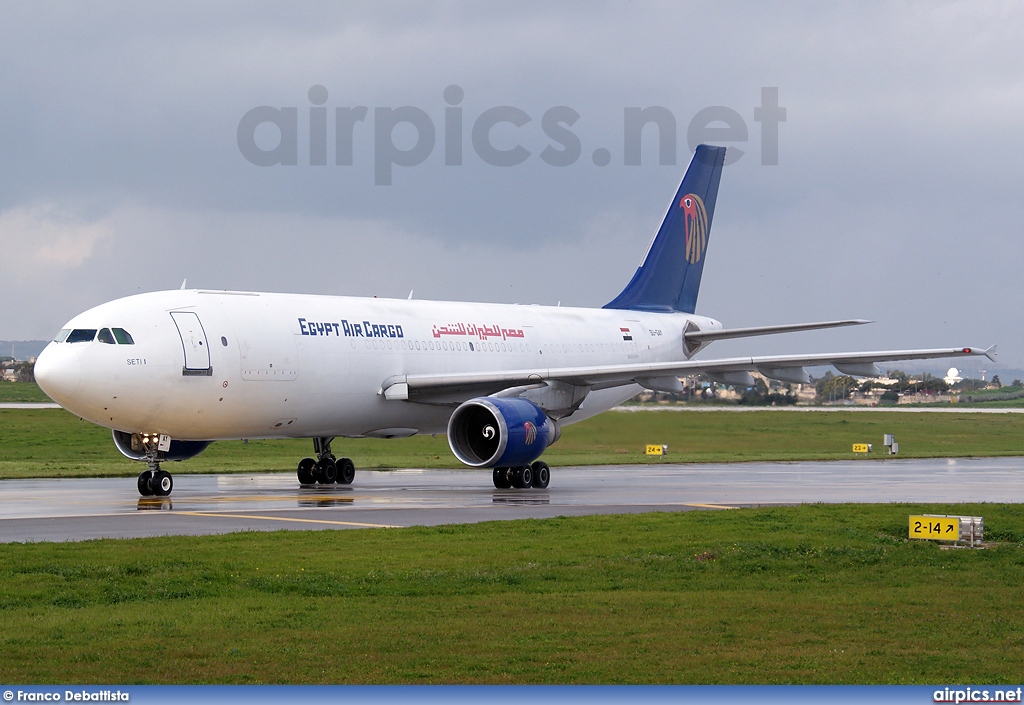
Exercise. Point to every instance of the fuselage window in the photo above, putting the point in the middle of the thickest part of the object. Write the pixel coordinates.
(63, 335)
(223, 341)
(81, 335)
(122, 336)
(106, 336)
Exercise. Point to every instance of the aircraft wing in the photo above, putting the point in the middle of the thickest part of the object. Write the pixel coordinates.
(456, 388)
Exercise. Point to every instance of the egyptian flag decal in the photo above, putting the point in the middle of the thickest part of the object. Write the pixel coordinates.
(625, 334)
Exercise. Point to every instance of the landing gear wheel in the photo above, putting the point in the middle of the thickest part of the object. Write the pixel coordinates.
(326, 471)
(306, 471)
(541, 475)
(501, 478)
(144, 488)
(522, 477)
(346, 471)
(162, 483)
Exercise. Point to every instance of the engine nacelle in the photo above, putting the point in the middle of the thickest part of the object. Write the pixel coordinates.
(489, 432)
(180, 450)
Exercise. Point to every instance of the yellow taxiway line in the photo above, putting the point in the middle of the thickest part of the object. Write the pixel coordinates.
(709, 506)
(300, 521)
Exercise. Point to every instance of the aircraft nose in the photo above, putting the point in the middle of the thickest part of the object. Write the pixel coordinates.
(58, 371)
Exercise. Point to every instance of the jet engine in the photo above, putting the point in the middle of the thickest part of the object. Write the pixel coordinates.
(132, 447)
(489, 432)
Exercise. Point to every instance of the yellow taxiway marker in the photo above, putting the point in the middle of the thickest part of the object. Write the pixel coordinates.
(301, 521)
(709, 506)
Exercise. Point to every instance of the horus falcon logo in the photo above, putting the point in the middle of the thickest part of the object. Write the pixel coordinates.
(695, 221)
(531, 433)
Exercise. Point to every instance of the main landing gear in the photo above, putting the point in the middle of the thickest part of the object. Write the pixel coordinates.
(326, 469)
(154, 481)
(537, 475)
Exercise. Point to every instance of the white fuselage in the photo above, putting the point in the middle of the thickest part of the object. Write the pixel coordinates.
(259, 365)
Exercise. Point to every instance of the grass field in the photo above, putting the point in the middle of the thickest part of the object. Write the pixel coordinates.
(813, 594)
(52, 442)
(810, 594)
(22, 392)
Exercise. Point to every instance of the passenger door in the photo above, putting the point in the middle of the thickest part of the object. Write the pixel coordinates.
(194, 344)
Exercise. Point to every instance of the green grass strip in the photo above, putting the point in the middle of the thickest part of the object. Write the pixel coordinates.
(22, 392)
(811, 594)
(53, 443)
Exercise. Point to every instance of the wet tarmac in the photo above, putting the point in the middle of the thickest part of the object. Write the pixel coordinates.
(77, 509)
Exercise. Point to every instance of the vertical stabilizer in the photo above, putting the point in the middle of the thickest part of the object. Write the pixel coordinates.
(669, 277)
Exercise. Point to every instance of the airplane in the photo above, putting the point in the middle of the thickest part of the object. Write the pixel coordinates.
(169, 372)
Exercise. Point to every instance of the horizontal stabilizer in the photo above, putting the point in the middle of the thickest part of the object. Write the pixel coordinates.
(706, 336)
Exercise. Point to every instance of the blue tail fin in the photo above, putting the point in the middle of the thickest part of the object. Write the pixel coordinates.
(669, 276)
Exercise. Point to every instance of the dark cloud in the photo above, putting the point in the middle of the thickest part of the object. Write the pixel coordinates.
(896, 196)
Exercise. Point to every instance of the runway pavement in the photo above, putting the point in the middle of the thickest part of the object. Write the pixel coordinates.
(77, 509)
(28, 405)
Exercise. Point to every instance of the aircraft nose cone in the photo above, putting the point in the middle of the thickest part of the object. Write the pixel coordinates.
(58, 372)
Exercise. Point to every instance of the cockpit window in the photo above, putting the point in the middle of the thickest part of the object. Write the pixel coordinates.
(81, 335)
(106, 336)
(123, 337)
(63, 335)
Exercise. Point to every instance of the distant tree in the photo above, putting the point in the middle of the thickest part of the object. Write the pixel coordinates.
(836, 388)
(891, 395)
(25, 371)
(755, 395)
(996, 382)
(762, 395)
(1018, 383)
(819, 384)
(929, 385)
(900, 376)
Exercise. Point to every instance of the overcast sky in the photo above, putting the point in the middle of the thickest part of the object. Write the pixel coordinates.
(898, 194)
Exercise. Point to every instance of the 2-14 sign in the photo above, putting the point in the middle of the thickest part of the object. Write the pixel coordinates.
(942, 528)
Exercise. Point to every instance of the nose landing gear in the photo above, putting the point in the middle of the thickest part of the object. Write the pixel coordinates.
(326, 469)
(154, 481)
